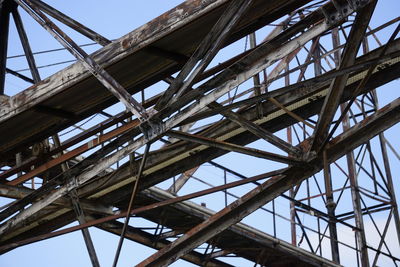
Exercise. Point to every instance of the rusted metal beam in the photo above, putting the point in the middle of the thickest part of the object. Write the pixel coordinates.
(69, 142)
(225, 82)
(73, 153)
(331, 206)
(287, 98)
(317, 81)
(180, 182)
(260, 58)
(373, 125)
(18, 192)
(141, 209)
(290, 113)
(362, 83)
(102, 164)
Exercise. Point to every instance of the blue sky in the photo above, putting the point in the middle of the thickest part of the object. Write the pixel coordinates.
(112, 20)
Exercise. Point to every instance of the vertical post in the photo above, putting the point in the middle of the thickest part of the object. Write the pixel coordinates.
(85, 231)
(291, 190)
(5, 9)
(317, 57)
(79, 212)
(396, 216)
(331, 206)
(256, 78)
(355, 195)
(360, 235)
(225, 190)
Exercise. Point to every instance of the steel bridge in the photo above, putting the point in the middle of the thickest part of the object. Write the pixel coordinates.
(279, 154)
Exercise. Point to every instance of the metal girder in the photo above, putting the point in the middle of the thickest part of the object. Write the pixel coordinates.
(269, 111)
(180, 182)
(15, 192)
(139, 210)
(245, 126)
(250, 64)
(130, 204)
(19, 75)
(373, 125)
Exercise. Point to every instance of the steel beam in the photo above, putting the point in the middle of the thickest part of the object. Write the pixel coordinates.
(5, 9)
(257, 130)
(89, 174)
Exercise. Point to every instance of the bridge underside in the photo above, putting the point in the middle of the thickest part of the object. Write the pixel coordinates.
(104, 172)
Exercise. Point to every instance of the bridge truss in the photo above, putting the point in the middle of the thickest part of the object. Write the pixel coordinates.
(223, 133)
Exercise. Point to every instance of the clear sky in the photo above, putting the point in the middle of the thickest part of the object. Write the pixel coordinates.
(113, 19)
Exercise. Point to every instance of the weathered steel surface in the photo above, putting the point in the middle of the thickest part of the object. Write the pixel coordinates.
(159, 49)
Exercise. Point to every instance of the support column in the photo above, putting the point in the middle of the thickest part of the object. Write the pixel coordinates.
(396, 216)
(360, 234)
(5, 9)
(331, 206)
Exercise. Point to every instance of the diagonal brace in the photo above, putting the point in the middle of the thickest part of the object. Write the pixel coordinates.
(205, 52)
(85, 231)
(94, 36)
(257, 130)
(104, 77)
(337, 86)
(232, 147)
